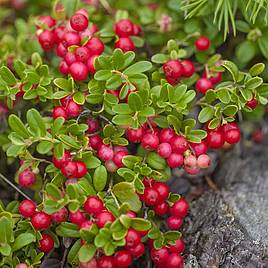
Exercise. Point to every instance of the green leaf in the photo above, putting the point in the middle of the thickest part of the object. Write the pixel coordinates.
(159, 58)
(53, 191)
(253, 83)
(100, 178)
(67, 229)
(122, 119)
(232, 68)
(242, 26)
(23, 240)
(122, 108)
(134, 102)
(16, 125)
(86, 187)
(223, 95)
(140, 224)
(62, 83)
(79, 98)
(19, 67)
(263, 45)
(257, 69)
(44, 147)
(138, 67)
(73, 253)
(6, 227)
(114, 82)
(230, 110)
(206, 114)
(15, 150)
(155, 161)
(86, 253)
(245, 51)
(70, 141)
(5, 249)
(103, 75)
(36, 122)
(7, 76)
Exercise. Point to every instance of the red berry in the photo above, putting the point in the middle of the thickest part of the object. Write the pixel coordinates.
(93, 205)
(90, 264)
(46, 243)
(58, 163)
(93, 125)
(120, 149)
(150, 141)
(78, 71)
(190, 161)
(41, 220)
(166, 135)
(258, 136)
(135, 135)
(132, 238)
(192, 170)
(125, 43)
(63, 67)
(137, 251)
(90, 64)
(71, 39)
(21, 265)
(229, 126)
(232, 136)
(136, 29)
(164, 149)
(77, 217)
(151, 197)
(180, 208)
(124, 28)
(69, 170)
(82, 54)
(203, 85)
(27, 208)
(179, 144)
(202, 43)
(61, 50)
(252, 104)
(60, 215)
(178, 247)
(105, 262)
(81, 169)
(95, 142)
(86, 224)
(214, 78)
(59, 33)
(59, 111)
(118, 157)
(105, 153)
(70, 58)
(47, 40)
(175, 160)
(174, 261)
(173, 69)
(122, 259)
(131, 214)
(203, 161)
(162, 189)
(199, 148)
(95, 46)
(103, 218)
(26, 178)
(161, 209)
(47, 20)
(159, 256)
(82, 12)
(215, 139)
(79, 22)
(188, 68)
(174, 223)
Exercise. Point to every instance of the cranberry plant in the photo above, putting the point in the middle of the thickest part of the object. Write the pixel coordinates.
(106, 115)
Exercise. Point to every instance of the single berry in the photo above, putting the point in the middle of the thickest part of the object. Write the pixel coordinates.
(81, 169)
(135, 135)
(58, 163)
(166, 135)
(175, 160)
(63, 67)
(174, 223)
(90, 264)
(27, 178)
(229, 126)
(77, 217)
(59, 33)
(27, 208)
(232, 136)
(136, 29)
(78, 71)
(93, 205)
(70, 58)
(192, 170)
(199, 148)
(258, 136)
(164, 149)
(132, 238)
(86, 224)
(82, 54)
(105, 152)
(124, 28)
(188, 68)
(215, 139)
(93, 125)
(122, 259)
(252, 104)
(214, 78)
(61, 50)
(180, 208)
(91, 64)
(173, 69)
(202, 43)
(118, 157)
(178, 247)
(47, 20)
(203, 85)
(59, 111)
(174, 260)
(159, 256)
(125, 43)
(71, 39)
(69, 170)
(79, 22)
(21, 265)
(137, 251)
(161, 209)
(95, 142)
(46, 243)
(47, 40)
(105, 262)
(179, 144)
(190, 161)
(162, 189)
(60, 215)
(41, 220)
(203, 161)
(103, 218)
(151, 197)
(150, 141)
(95, 46)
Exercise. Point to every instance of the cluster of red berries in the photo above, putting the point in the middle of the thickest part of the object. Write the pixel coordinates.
(27, 178)
(174, 148)
(40, 221)
(73, 42)
(208, 81)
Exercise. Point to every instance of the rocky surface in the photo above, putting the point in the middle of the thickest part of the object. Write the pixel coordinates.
(229, 228)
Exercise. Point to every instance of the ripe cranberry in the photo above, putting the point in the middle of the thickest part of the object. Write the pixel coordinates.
(202, 43)
(132, 238)
(178, 247)
(26, 178)
(162, 189)
(93, 205)
(179, 144)
(46, 243)
(82, 54)
(214, 78)
(59, 111)
(232, 136)
(150, 141)
(82, 12)
(58, 163)
(93, 125)
(131, 214)
(71, 39)
(229, 126)
(174, 223)
(199, 148)
(180, 208)
(159, 256)
(125, 43)
(161, 209)
(77, 217)
(61, 50)
(137, 251)
(41, 220)
(118, 157)
(164, 149)
(70, 58)
(95, 46)
(47, 40)
(252, 104)
(18, 4)
(175, 160)
(203, 161)
(151, 197)
(166, 135)
(136, 29)
(59, 33)
(60, 215)
(190, 161)
(79, 22)
(105, 153)
(188, 68)
(122, 259)
(124, 28)
(258, 136)
(90, 64)
(95, 142)
(148, 182)
(81, 169)
(86, 224)
(215, 139)
(63, 67)
(192, 170)
(111, 166)
(27, 208)
(135, 135)
(78, 71)
(69, 170)
(174, 260)
(47, 20)
(105, 262)
(21, 265)
(120, 149)
(173, 69)
(103, 218)
(172, 81)
(90, 264)
(203, 85)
